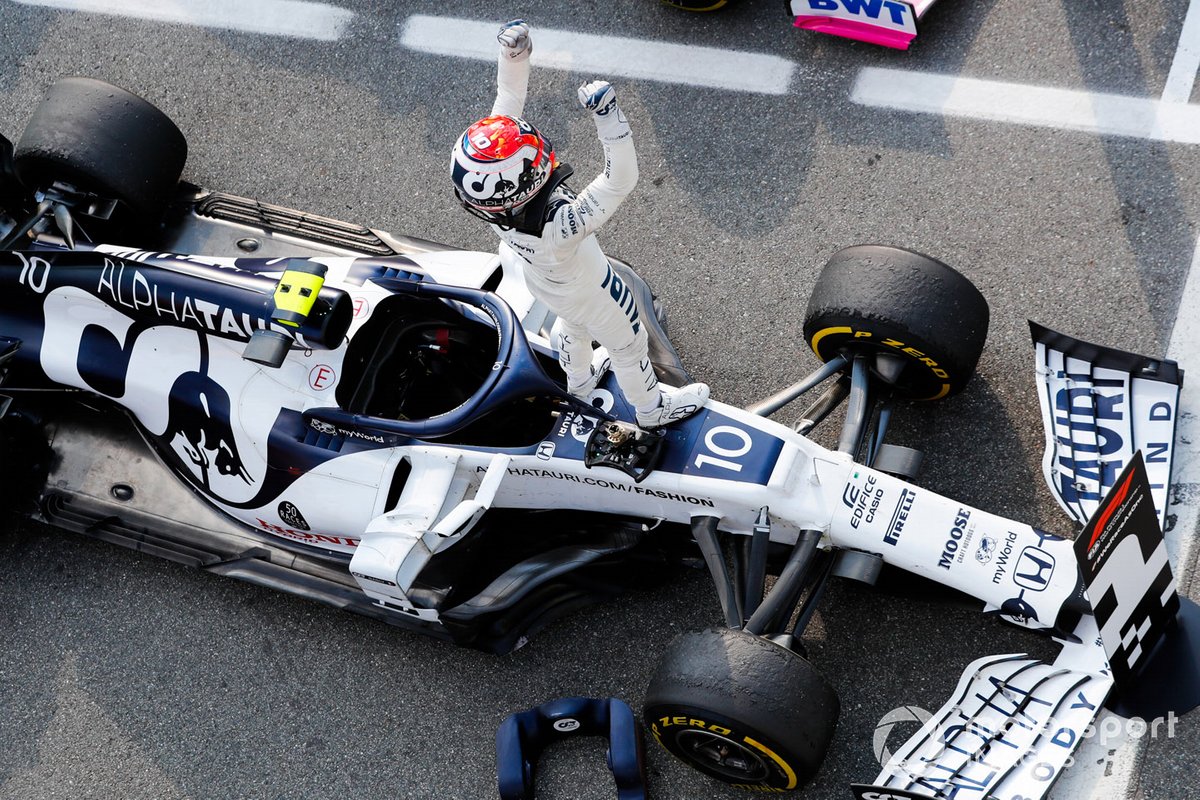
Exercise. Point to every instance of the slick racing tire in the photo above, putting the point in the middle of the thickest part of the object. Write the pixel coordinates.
(104, 140)
(879, 299)
(741, 709)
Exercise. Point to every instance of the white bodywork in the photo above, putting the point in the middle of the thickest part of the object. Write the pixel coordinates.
(727, 463)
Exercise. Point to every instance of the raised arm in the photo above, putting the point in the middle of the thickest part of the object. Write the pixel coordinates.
(604, 194)
(512, 71)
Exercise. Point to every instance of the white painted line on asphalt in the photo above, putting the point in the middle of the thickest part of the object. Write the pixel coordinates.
(606, 56)
(1120, 755)
(1182, 76)
(1107, 764)
(1091, 112)
(1185, 348)
(298, 18)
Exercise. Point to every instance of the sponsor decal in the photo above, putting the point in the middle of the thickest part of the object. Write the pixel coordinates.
(570, 223)
(1007, 734)
(362, 308)
(365, 577)
(890, 14)
(1018, 610)
(1123, 558)
(1090, 407)
(1033, 569)
(105, 354)
(520, 249)
(132, 289)
(292, 517)
(321, 377)
(987, 547)
(200, 428)
(863, 501)
(307, 537)
(545, 451)
(332, 430)
(692, 722)
(566, 725)
(366, 437)
(535, 472)
(951, 548)
(899, 516)
(623, 297)
(323, 427)
(1004, 556)
(579, 426)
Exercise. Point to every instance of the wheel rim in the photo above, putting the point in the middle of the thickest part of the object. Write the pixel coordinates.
(723, 755)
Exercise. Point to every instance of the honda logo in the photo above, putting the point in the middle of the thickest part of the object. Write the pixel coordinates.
(1034, 569)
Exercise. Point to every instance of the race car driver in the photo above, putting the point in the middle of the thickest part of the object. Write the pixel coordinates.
(506, 173)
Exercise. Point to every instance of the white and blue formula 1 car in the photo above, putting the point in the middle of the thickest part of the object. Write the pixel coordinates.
(379, 423)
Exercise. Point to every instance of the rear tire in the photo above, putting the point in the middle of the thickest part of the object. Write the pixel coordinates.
(879, 299)
(104, 140)
(741, 709)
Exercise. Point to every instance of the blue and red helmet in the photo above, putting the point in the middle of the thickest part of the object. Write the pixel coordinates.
(499, 164)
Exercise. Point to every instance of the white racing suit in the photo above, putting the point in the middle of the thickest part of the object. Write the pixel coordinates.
(564, 266)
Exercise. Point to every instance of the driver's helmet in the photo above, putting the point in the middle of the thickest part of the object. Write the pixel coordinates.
(498, 164)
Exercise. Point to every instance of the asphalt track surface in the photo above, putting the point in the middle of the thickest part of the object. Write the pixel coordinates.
(124, 676)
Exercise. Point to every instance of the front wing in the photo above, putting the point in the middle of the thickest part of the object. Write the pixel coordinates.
(1007, 732)
(889, 23)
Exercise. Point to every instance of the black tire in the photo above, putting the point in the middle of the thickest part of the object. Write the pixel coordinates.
(876, 298)
(741, 709)
(104, 140)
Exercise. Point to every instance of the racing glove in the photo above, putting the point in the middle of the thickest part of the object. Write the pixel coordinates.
(515, 42)
(600, 98)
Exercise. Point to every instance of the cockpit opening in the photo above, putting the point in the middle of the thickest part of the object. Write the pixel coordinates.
(419, 357)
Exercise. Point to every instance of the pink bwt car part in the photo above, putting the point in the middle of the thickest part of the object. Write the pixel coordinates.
(889, 23)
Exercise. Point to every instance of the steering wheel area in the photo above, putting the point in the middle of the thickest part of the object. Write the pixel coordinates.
(408, 384)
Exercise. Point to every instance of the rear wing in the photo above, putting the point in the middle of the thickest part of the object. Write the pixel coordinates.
(889, 23)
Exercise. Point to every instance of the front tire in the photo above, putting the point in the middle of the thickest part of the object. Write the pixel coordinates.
(742, 709)
(876, 299)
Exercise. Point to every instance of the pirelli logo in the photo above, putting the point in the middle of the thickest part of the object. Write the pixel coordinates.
(899, 517)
